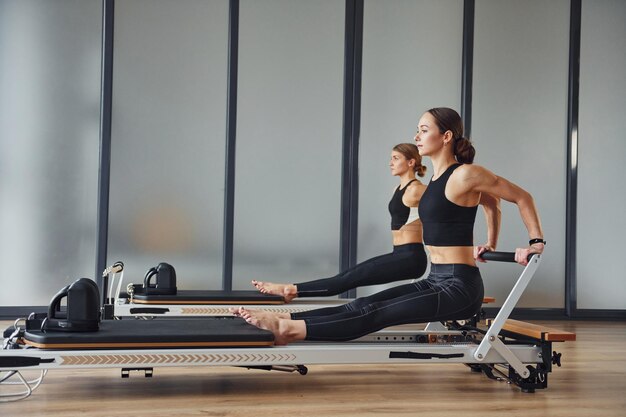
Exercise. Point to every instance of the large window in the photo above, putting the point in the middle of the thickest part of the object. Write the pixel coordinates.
(289, 138)
(601, 169)
(49, 123)
(406, 71)
(519, 129)
(168, 138)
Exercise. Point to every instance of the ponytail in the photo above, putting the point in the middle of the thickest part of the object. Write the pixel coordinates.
(464, 150)
(420, 169)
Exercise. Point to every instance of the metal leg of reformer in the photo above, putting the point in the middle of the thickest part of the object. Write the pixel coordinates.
(491, 340)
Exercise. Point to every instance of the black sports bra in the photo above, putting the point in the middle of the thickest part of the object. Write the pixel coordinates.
(445, 223)
(401, 214)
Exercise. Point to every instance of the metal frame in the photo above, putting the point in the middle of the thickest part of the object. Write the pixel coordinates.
(104, 172)
(491, 337)
(123, 308)
(284, 358)
(295, 354)
(467, 66)
(572, 159)
(353, 53)
(231, 137)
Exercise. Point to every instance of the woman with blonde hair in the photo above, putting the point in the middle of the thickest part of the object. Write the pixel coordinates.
(408, 259)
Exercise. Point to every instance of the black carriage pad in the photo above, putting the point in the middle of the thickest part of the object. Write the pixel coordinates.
(141, 334)
(206, 297)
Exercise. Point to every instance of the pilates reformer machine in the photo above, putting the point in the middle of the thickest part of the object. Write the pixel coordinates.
(158, 296)
(508, 350)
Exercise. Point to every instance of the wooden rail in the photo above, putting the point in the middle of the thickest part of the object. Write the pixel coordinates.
(536, 331)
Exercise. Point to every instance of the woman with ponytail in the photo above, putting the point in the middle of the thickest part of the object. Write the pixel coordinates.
(449, 203)
(408, 259)
(448, 210)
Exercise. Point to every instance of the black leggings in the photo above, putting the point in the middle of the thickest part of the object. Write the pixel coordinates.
(450, 292)
(405, 262)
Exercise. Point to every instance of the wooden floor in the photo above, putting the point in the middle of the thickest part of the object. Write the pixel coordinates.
(591, 382)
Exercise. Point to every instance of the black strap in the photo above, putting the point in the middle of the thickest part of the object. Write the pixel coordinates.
(415, 355)
(407, 184)
(149, 310)
(22, 361)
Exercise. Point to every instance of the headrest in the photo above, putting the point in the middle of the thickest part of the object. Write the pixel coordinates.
(82, 308)
(165, 280)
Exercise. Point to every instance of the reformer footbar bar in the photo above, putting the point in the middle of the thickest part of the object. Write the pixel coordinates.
(528, 360)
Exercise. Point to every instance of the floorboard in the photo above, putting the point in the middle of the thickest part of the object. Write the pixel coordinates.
(591, 382)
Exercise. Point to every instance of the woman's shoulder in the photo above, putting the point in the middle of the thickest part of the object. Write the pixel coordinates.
(415, 187)
(472, 174)
(470, 170)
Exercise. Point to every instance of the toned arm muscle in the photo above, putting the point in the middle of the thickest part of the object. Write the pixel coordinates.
(493, 216)
(482, 180)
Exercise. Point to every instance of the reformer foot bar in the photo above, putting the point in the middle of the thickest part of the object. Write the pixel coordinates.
(509, 355)
(161, 298)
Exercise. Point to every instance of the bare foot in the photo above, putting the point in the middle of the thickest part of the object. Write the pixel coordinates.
(281, 328)
(287, 291)
(236, 311)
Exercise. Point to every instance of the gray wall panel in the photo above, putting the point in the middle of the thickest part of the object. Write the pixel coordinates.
(289, 138)
(168, 138)
(406, 70)
(49, 115)
(519, 129)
